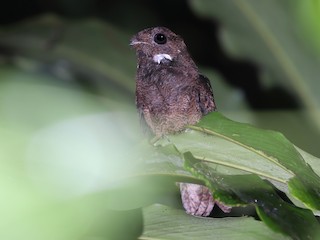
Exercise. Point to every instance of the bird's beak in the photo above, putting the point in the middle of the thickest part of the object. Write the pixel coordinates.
(134, 41)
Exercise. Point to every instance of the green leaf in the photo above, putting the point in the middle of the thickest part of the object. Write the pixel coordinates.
(269, 33)
(63, 153)
(272, 146)
(237, 148)
(162, 222)
(294, 124)
(238, 190)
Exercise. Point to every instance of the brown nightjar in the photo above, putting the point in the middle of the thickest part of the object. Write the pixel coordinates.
(170, 94)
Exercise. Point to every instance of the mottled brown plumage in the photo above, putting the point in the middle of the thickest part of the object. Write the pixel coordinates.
(170, 91)
(170, 94)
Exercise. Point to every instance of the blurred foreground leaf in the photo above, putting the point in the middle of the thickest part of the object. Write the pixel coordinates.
(61, 152)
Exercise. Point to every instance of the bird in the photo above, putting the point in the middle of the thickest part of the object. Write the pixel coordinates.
(171, 93)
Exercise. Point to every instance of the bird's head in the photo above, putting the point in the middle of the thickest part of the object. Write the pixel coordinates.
(159, 44)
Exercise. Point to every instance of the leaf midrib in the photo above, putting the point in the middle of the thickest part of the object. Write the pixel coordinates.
(279, 53)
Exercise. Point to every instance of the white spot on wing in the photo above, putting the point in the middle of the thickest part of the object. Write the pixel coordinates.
(159, 57)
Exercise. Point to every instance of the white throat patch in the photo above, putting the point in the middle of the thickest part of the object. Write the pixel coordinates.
(159, 57)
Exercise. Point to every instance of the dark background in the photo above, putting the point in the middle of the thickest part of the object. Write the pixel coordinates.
(201, 36)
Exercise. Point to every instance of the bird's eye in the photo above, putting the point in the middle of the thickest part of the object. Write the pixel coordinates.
(160, 38)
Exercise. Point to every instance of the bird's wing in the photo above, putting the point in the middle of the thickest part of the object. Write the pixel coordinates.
(206, 100)
(143, 122)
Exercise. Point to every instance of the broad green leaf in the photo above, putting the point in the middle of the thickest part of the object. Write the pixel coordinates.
(237, 190)
(311, 160)
(269, 33)
(294, 124)
(237, 148)
(162, 222)
(274, 147)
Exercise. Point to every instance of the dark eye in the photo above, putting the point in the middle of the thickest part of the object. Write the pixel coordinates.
(160, 38)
